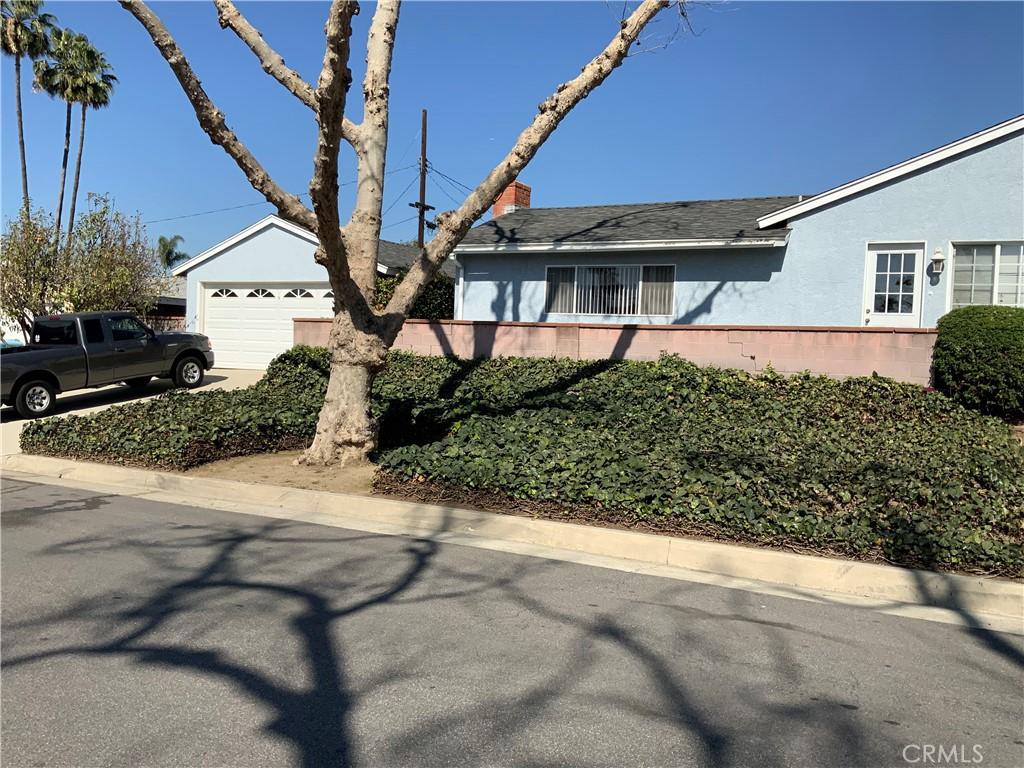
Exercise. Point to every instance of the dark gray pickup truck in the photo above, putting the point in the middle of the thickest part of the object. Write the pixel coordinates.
(93, 349)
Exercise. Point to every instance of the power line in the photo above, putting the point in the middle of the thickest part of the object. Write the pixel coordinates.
(459, 191)
(403, 221)
(434, 177)
(204, 213)
(400, 195)
(449, 178)
(262, 202)
(409, 145)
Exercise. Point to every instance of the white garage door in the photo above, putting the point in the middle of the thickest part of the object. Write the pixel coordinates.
(249, 325)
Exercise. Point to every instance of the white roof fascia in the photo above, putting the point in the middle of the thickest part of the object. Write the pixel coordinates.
(623, 245)
(259, 226)
(893, 172)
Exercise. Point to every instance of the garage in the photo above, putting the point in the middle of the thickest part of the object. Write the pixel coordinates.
(250, 325)
(245, 291)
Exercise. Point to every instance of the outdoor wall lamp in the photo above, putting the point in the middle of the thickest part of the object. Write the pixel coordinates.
(938, 261)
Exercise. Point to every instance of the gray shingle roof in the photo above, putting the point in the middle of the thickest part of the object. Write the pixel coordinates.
(398, 256)
(682, 220)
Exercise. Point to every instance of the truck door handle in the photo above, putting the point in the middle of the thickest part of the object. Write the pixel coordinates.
(120, 349)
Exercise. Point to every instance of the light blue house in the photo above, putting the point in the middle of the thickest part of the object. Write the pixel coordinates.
(897, 248)
(245, 291)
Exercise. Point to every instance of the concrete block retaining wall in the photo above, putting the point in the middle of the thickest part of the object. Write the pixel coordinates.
(900, 353)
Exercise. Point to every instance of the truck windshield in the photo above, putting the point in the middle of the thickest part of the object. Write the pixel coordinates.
(54, 332)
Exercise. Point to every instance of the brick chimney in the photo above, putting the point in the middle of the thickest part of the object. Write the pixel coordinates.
(515, 196)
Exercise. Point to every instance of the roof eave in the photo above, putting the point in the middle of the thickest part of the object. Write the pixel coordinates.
(893, 172)
(625, 245)
(251, 230)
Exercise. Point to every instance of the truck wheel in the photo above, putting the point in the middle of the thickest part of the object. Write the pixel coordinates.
(140, 383)
(188, 373)
(35, 399)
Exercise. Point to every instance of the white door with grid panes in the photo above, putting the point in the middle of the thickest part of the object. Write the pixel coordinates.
(892, 289)
(251, 324)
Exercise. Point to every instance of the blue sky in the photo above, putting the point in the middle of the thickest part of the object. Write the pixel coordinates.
(760, 99)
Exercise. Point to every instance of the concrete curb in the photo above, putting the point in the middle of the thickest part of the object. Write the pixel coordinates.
(894, 585)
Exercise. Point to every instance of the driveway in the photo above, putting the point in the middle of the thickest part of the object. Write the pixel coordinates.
(145, 633)
(84, 401)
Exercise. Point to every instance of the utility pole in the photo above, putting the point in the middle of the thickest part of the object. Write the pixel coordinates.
(422, 206)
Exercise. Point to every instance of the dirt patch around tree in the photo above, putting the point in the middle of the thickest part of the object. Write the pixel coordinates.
(280, 469)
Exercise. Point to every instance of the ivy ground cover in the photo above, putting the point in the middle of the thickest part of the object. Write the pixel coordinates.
(868, 467)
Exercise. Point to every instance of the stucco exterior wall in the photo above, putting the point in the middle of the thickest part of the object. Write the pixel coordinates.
(817, 279)
(977, 196)
(904, 355)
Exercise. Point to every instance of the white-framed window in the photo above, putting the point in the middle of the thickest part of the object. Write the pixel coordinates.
(224, 293)
(894, 282)
(260, 293)
(617, 289)
(988, 273)
(298, 293)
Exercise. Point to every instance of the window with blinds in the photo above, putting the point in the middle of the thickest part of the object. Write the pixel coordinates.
(561, 281)
(610, 290)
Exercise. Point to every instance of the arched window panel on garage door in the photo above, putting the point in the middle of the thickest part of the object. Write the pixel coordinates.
(260, 293)
(298, 293)
(224, 293)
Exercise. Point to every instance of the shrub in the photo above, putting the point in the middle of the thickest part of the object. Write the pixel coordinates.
(865, 467)
(437, 302)
(179, 430)
(301, 367)
(979, 359)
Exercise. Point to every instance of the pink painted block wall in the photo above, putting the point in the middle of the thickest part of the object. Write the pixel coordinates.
(900, 353)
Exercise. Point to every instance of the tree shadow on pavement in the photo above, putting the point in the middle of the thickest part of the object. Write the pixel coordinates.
(611, 659)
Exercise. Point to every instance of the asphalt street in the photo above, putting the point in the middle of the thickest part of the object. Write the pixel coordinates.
(141, 633)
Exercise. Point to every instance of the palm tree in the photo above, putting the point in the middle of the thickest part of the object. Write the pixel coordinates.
(26, 32)
(63, 76)
(167, 250)
(95, 93)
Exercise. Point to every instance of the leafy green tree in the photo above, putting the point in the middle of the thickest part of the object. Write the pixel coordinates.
(94, 93)
(29, 269)
(63, 75)
(107, 264)
(25, 33)
(167, 250)
(113, 264)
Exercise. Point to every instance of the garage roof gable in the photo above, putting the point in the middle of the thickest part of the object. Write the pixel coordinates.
(276, 221)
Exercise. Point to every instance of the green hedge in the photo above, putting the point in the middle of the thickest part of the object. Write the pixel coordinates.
(979, 359)
(181, 429)
(863, 467)
(437, 302)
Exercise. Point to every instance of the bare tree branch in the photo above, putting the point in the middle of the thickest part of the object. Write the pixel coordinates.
(272, 62)
(363, 230)
(330, 95)
(452, 225)
(212, 120)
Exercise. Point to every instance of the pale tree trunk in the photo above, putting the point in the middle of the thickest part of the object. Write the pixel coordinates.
(346, 431)
(361, 337)
(63, 178)
(78, 171)
(21, 133)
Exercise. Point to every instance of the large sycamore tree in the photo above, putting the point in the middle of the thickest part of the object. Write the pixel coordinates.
(360, 335)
